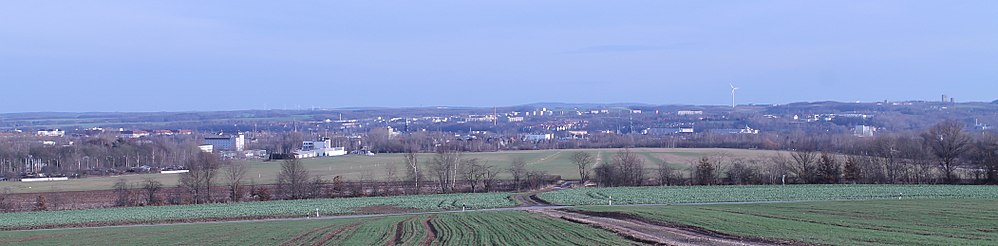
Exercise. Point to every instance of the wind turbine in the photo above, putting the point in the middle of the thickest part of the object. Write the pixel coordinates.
(733, 88)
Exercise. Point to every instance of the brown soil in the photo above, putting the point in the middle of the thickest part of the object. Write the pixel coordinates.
(157, 222)
(383, 209)
(297, 239)
(654, 233)
(530, 199)
(331, 235)
(399, 231)
(431, 232)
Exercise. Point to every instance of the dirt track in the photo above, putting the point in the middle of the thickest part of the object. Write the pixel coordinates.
(645, 232)
(632, 228)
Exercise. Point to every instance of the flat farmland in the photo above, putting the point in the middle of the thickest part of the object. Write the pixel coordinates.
(251, 210)
(555, 162)
(471, 228)
(883, 222)
(763, 193)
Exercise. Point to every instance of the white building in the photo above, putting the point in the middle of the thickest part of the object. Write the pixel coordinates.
(231, 142)
(748, 130)
(322, 148)
(864, 131)
(133, 134)
(686, 129)
(538, 137)
(480, 118)
(689, 112)
(206, 148)
(50, 133)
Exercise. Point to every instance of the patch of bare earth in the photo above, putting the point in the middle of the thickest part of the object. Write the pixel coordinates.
(643, 231)
(329, 236)
(399, 231)
(431, 232)
(300, 237)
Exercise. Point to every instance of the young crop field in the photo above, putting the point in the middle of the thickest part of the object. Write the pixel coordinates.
(755, 193)
(471, 228)
(250, 210)
(554, 162)
(882, 222)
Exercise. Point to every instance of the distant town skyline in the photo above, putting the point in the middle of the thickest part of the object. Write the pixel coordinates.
(128, 56)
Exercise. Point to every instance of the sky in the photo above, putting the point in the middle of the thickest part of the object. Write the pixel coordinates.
(76, 56)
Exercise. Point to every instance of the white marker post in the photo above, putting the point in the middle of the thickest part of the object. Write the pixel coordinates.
(316, 212)
(611, 200)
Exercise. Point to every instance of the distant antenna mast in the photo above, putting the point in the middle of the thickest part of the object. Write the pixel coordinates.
(733, 88)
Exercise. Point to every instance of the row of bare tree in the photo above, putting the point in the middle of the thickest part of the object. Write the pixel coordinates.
(98, 155)
(944, 153)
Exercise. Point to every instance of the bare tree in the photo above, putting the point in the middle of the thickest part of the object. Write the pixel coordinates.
(234, 173)
(473, 172)
(852, 172)
(829, 170)
(122, 193)
(391, 179)
(582, 161)
(948, 142)
(293, 180)
(535, 178)
(411, 158)
(888, 149)
(605, 174)
(489, 180)
(780, 168)
(705, 171)
(740, 173)
(201, 176)
(629, 166)
(803, 164)
(518, 171)
(985, 158)
(665, 173)
(315, 188)
(444, 166)
(151, 187)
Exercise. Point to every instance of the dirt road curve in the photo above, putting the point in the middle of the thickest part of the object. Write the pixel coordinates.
(530, 199)
(645, 232)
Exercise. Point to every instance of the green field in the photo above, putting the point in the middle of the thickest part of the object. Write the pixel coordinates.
(555, 162)
(885, 222)
(472, 228)
(755, 193)
(249, 210)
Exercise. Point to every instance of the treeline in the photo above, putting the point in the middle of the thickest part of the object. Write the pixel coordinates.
(944, 153)
(448, 171)
(28, 156)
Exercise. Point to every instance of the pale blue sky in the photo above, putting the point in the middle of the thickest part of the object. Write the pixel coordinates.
(220, 55)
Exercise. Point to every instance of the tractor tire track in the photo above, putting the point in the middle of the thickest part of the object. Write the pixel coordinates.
(331, 235)
(295, 240)
(645, 232)
(431, 231)
(399, 232)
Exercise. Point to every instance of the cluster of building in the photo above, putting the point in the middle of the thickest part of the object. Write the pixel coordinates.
(120, 132)
(234, 146)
